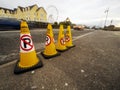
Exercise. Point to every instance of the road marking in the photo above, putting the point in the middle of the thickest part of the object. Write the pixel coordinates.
(117, 33)
(7, 64)
(76, 38)
(18, 31)
(12, 62)
(8, 31)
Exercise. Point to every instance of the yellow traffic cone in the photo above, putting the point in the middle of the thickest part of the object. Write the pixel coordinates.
(50, 50)
(60, 46)
(68, 38)
(28, 59)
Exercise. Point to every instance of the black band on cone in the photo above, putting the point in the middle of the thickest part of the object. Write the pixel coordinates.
(70, 46)
(62, 50)
(19, 70)
(49, 56)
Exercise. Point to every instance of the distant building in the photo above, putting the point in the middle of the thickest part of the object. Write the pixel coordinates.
(30, 13)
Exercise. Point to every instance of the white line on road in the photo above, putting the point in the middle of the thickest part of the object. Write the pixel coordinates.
(7, 64)
(18, 31)
(9, 31)
(76, 38)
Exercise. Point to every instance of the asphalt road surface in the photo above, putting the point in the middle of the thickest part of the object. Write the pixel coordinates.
(10, 42)
(94, 64)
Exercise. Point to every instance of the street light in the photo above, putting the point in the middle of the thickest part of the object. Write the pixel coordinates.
(111, 22)
(106, 11)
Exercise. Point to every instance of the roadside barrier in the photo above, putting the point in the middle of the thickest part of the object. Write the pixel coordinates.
(68, 38)
(60, 46)
(50, 50)
(28, 58)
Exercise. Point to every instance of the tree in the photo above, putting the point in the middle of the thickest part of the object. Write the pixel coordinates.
(55, 25)
(110, 27)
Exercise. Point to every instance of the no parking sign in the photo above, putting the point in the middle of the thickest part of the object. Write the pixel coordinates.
(26, 43)
(48, 40)
(62, 41)
(67, 38)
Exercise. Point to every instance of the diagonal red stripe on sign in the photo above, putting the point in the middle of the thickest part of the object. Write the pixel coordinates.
(27, 43)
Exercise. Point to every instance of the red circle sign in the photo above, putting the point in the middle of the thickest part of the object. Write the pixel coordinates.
(67, 38)
(26, 43)
(48, 40)
(62, 41)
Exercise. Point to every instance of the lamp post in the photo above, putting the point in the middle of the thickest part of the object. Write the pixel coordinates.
(111, 22)
(106, 11)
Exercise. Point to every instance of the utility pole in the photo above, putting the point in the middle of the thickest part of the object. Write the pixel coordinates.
(106, 11)
(111, 22)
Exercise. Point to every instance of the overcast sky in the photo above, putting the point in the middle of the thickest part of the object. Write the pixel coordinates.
(90, 12)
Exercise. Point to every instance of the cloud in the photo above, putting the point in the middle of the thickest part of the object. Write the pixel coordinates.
(79, 11)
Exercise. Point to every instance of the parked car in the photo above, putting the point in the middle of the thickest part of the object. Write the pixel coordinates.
(78, 27)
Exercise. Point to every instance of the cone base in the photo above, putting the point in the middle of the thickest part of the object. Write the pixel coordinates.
(19, 70)
(49, 56)
(62, 50)
(70, 46)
